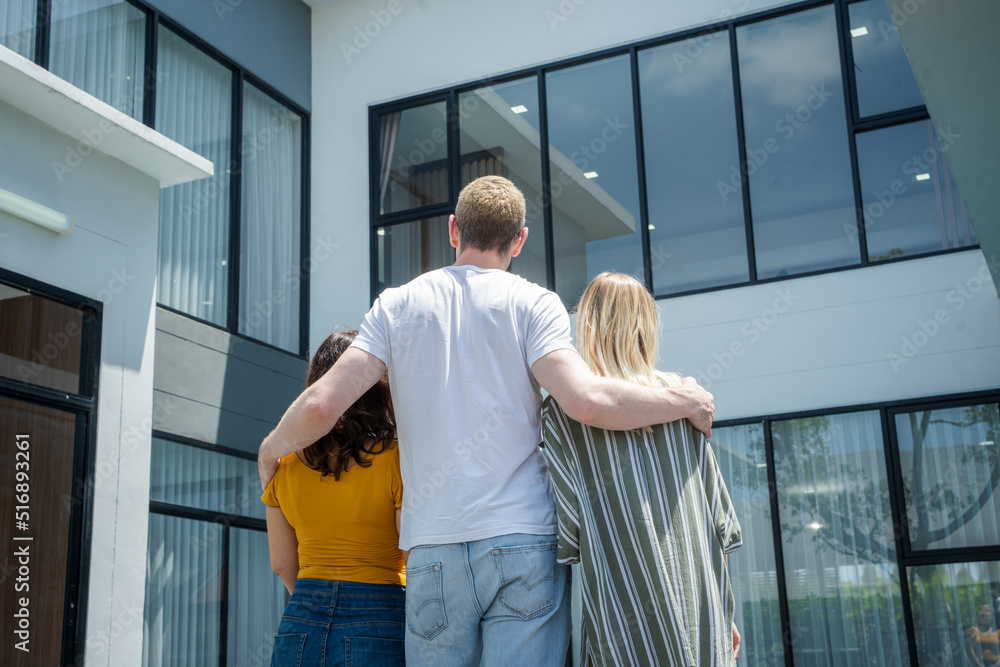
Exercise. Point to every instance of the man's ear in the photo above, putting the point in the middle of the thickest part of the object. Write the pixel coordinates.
(453, 231)
(519, 242)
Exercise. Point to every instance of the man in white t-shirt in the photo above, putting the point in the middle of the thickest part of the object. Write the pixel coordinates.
(467, 349)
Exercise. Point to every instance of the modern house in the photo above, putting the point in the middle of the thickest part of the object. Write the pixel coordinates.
(194, 194)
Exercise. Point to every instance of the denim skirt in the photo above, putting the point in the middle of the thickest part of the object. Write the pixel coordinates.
(333, 623)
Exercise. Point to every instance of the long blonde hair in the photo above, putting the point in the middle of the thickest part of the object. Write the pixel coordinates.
(617, 331)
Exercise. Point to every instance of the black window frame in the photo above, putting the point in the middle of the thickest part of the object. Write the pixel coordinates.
(154, 19)
(225, 519)
(905, 557)
(83, 405)
(855, 125)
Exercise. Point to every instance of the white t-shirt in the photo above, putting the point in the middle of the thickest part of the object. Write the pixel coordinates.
(459, 343)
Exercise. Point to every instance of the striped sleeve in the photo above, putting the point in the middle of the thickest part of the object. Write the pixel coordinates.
(727, 526)
(564, 481)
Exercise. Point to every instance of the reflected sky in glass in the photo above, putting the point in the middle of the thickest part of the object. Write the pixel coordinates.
(881, 71)
(697, 233)
(910, 199)
(594, 182)
(499, 135)
(798, 159)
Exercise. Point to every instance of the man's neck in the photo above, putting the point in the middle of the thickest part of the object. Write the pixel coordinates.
(484, 259)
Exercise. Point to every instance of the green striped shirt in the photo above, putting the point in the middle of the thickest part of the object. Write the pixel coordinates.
(648, 516)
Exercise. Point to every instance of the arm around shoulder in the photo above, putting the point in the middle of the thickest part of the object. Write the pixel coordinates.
(615, 404)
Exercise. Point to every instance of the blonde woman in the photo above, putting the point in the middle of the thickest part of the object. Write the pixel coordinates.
(645, 512)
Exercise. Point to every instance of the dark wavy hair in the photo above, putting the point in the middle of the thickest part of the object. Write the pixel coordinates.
(367, 428)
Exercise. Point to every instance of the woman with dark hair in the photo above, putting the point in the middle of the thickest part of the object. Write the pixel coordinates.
(333, 532)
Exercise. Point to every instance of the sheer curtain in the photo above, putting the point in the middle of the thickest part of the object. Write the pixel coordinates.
(17, 26)
(194, 108)
(257, 598)
(839, 555)
(742, 460)
(951, 471)
(99, 46)
(271, 226)
(183, 593)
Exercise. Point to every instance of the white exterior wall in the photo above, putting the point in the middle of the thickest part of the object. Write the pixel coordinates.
(108, 257)
(831, 346)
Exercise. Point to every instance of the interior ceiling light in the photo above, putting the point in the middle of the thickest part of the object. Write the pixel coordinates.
(590, 174)
(520, 108)
(859, 32)
(34, 212)
(923, 177)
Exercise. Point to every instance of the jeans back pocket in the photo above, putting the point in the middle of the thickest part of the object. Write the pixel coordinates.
(527, 578)
(425, 614)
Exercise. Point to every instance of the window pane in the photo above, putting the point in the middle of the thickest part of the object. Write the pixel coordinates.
(407, 250)
(100, 46)
(499, 135)
(595, 191)
(17, 26)
(883, 75)
(183, 593)
(194, 108)
(839, 551)
(798, 158)
(272, 223)
(697, 234)
(197, 477)
(257, 599)
(743, 462)
(911, 202)
(413, 158)
(951, 469)
(956, 608)
(45, 464)
(41, 340)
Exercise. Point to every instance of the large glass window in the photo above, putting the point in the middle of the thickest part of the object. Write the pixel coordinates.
(413, 158)
(270, 233)
(743, 462)
(17, 26)
(697, 233)
(950, 463)
(841, 571)
(208, 572)
(194, 108)
(882, 73)
(100, 46)
(911, 202)
(500, 135)
(593, 177)
(798, 157)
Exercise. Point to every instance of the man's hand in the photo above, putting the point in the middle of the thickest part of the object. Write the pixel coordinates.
(736, 642)
(704, 411)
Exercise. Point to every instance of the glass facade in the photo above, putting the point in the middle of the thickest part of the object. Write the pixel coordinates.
(18, 19)
(757, 149)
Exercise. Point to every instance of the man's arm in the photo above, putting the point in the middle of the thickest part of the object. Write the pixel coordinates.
(318, 408)
(615, 404)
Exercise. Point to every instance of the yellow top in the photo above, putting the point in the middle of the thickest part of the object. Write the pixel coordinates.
(346, 529)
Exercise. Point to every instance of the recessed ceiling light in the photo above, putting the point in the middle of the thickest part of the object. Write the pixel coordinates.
(651, 227)
(859, 32)
(590, 174)
(520, 108)
(986, 443)
(381, 231)
(923, 177)
(761, 465)
(815, 525)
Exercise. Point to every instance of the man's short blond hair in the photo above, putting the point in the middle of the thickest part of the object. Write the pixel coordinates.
(490, 214)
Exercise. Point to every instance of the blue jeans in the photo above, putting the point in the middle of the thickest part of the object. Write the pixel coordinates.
(504, 600)
(329, 623)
